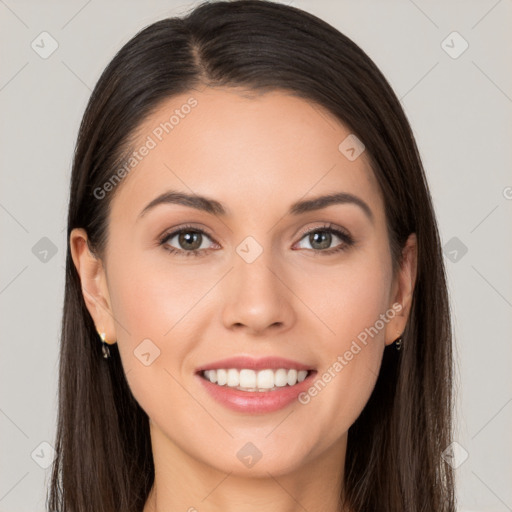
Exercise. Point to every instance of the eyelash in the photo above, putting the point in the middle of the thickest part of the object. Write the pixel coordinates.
(347, 241)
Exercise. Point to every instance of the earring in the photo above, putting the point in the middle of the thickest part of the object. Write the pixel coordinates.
(398, 343)
(104, 345)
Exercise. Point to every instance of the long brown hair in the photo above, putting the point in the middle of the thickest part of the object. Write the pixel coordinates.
(393, 461)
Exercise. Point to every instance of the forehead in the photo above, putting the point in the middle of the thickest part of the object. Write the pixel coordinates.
(246, 149)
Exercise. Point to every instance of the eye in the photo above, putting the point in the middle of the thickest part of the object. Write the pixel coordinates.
(321, 238)
(189, 240)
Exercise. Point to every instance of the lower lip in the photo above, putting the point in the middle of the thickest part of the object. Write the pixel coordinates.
(256, 401)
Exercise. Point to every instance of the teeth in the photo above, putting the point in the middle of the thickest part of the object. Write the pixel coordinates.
(233, 378)
(292, 377)
(247, 378)
(222, 377)
(250, 380)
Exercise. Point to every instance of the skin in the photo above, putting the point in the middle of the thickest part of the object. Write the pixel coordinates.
(256, 154)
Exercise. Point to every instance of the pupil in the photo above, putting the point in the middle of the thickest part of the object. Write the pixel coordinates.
(188, 238)
(325, 239)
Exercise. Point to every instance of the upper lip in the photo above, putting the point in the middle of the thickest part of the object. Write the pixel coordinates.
(241, 362)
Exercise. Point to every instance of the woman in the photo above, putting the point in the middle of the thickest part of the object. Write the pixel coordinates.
(256, 312)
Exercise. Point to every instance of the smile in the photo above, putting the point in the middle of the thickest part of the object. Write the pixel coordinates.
(255, 381)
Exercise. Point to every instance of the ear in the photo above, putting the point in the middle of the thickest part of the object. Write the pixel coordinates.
(402, 290)
(94, 284)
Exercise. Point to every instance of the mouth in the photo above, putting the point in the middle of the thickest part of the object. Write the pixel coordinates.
(256, 381)
(255, 386)
(249, 391)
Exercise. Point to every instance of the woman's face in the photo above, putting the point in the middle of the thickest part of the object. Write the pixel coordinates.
(258, 286)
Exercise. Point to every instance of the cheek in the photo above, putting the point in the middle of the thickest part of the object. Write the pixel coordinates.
(350, 303)
(148, 299)
(348, 297)
(153, 308)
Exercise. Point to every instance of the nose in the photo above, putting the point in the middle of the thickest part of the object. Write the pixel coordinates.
(257, 298)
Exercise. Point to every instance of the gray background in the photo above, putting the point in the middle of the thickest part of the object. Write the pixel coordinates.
(460, 109)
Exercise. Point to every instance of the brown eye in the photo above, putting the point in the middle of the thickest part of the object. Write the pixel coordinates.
(190, 240)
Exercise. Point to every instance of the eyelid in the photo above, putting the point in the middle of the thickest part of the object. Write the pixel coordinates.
(172, 232)
(325, 225)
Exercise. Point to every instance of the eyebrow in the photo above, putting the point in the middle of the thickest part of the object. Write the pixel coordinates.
(213, 207)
